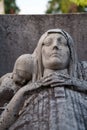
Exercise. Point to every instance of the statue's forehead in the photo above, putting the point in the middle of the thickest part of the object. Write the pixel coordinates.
(54, 35)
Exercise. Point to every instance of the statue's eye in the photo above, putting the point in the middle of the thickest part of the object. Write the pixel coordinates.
(62, 41)
(59, 39)
(47, 42)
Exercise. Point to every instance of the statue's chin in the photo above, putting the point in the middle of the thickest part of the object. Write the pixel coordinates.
(57, 66)
(56, 63)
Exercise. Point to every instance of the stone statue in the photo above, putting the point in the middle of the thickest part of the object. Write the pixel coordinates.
(10, 83)
(56, 98)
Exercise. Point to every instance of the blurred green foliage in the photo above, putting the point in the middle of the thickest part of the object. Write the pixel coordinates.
(64, 6)
(11, 7)
(80, 2)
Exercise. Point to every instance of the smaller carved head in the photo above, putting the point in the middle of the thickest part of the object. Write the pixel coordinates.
(23, 69)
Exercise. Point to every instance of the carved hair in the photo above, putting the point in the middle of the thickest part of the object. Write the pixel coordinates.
(73, 65)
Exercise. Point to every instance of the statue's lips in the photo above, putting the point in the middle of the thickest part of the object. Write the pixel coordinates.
(55, 54)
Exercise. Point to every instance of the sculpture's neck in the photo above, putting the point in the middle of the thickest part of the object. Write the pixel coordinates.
(49, 71)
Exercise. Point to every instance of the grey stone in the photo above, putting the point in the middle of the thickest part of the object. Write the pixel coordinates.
(20, 34)
(56, 97)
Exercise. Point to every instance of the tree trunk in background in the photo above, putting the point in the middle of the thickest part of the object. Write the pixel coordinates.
(1, 6)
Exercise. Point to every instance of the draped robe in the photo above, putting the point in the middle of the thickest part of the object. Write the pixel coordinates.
(57, 108)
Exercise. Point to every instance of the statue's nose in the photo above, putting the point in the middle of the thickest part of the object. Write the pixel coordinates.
(55, 44)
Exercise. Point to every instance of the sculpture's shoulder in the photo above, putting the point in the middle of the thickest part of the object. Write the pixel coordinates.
(4, 77)
(84, 63)
(6, 82)
(84, 69)
(6, 92)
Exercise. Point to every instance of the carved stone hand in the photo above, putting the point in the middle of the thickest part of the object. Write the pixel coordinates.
(54, 79)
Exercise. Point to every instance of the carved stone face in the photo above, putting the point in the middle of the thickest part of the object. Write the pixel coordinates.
(21, 77)
(55, 52)
(23, 69)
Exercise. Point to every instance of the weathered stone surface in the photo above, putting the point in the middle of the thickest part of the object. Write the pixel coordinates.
(57, 97)
(20, 34)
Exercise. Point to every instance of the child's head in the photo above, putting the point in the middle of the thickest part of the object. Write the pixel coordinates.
(23, 69)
